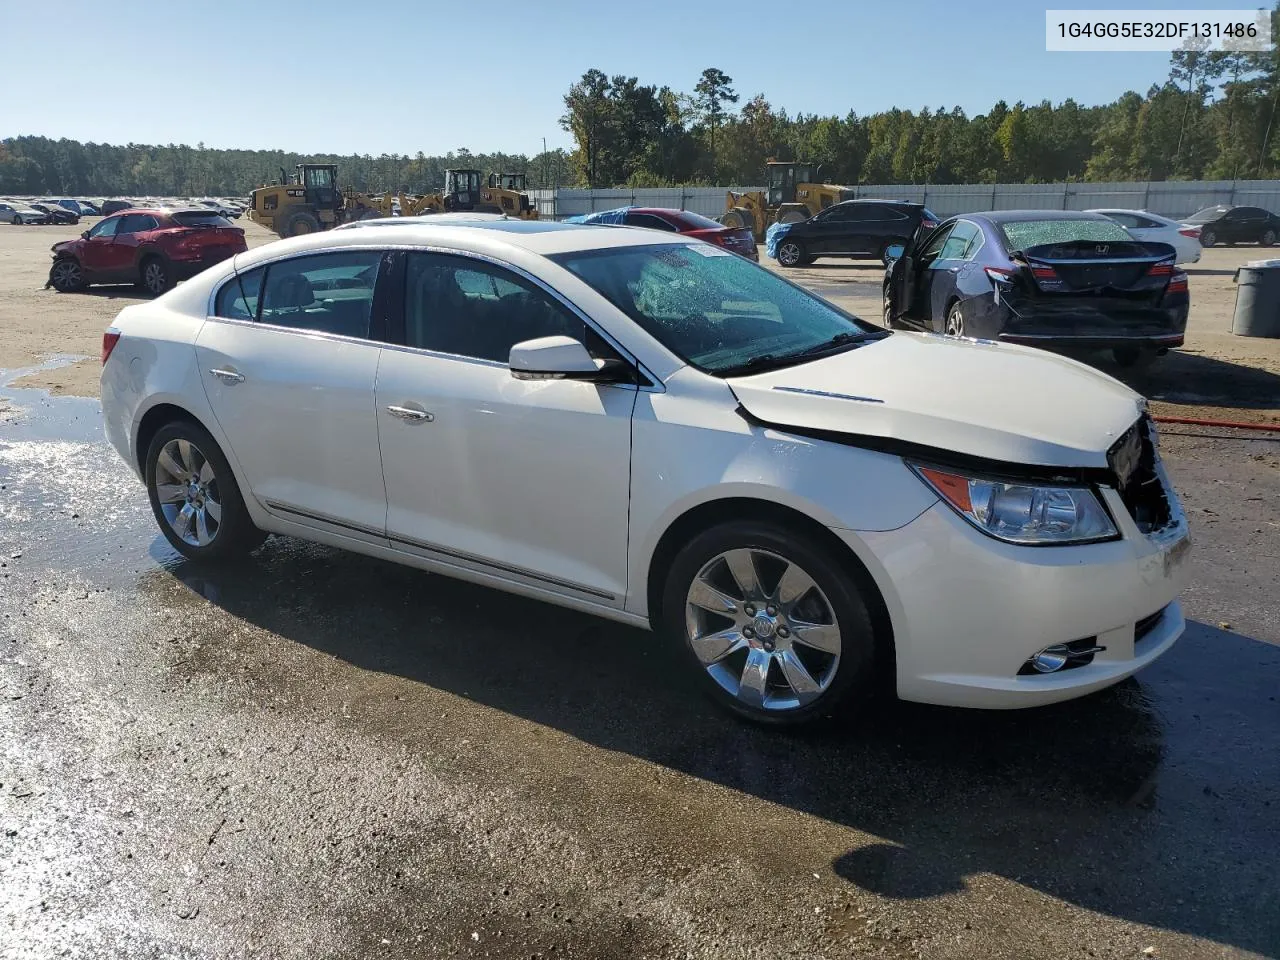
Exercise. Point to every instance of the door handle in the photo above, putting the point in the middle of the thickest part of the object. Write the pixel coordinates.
(227, 376)
(410, 415)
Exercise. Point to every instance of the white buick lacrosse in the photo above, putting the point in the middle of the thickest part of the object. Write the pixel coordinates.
(654, 430)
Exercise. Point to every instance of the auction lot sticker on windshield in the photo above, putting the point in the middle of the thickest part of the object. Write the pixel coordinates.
(1136, 30)
(707, 250)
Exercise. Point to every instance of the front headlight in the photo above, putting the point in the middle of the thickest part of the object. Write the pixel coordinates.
(1022, 513)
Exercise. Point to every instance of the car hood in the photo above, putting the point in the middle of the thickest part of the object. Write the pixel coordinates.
(1000, 402)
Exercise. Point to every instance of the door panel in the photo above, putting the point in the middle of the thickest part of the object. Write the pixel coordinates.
(516, 477)
(294, 396)
(301, 423)
(95, 254)
(523, 476)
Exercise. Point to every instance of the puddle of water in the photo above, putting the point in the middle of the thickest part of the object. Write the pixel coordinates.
(38, 416)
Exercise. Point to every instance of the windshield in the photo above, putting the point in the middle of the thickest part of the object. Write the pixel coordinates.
(319, 177)
(1024, 234)
(1207, 214)
(711, 308)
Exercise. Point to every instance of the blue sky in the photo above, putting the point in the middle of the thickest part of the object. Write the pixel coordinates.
(398, 76)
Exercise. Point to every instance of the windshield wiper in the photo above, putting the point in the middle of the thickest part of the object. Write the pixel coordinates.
(842, 339)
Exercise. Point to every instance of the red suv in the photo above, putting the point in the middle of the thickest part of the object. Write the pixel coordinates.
(152, 248)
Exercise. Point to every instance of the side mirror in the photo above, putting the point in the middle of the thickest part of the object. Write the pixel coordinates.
(894, 251)
(561, 358)
(85, 235)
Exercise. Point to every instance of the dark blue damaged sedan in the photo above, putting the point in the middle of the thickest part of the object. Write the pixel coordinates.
(1048, 278)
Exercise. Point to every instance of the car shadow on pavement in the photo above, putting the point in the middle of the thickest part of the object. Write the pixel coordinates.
(1198, 380)
(1149, 802)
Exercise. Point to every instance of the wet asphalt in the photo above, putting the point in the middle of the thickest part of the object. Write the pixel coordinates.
(316, 754)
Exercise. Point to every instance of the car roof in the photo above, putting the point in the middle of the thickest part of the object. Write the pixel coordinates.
(540, 237)
(890, 200)
(1014, 216)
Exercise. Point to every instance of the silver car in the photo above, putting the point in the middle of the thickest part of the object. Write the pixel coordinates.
(11, 211)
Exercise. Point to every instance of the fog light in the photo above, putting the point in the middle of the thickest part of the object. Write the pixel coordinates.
(1051, 658)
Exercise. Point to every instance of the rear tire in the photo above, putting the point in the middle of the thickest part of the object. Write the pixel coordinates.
(154, 275)
(955, 326)
(194, 495)
(67, 276)
(1208, 238)
(1268, 237)
(791, 253)
(17, 220)
(805, 636)
(739, 219)
(300, 222)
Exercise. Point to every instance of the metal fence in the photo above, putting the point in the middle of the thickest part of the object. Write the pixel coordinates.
(1169, 198)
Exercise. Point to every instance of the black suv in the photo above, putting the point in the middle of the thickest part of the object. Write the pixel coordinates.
(858, 229)
(1223, 224)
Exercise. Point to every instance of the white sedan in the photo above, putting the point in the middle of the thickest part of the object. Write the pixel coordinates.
(1144, 225)
(656, 431)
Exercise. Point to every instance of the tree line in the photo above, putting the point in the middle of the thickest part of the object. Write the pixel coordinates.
(1214, 116)
(39, 166)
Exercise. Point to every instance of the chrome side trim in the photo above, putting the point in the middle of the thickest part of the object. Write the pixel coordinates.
(826, 393)
(345, 525)
(402, 540)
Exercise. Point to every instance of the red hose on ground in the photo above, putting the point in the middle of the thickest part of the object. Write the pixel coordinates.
(1233, 424)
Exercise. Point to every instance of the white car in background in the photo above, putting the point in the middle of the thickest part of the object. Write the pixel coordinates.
(657, 431)
(19, 213)
(1144, 225)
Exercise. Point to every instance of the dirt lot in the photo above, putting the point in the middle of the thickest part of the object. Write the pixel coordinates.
(1215, 375)
(36, 324)
(317, 754)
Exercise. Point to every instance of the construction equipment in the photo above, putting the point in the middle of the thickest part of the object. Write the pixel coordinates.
(310, 200)
(793, 193)
(304, 203)
(507, 192)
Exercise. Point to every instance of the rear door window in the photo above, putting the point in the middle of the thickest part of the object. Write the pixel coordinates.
(136, 223)
(326, 292)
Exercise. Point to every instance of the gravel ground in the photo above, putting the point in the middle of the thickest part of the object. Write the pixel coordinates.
(318, 754)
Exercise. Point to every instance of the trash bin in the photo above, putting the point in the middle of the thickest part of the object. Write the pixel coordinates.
(1257, 299)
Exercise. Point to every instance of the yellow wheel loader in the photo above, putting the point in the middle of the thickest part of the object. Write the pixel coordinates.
(507, 192)
(793, 193)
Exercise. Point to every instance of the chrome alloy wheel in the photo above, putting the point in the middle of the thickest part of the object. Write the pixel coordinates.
(763, 629)
(188, 492)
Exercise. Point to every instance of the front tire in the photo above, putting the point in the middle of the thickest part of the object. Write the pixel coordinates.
(17, 220)
(301, 222)
(1268, 237)
(195, 497)
(771, 623)
(67, 276)
(791, 253)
